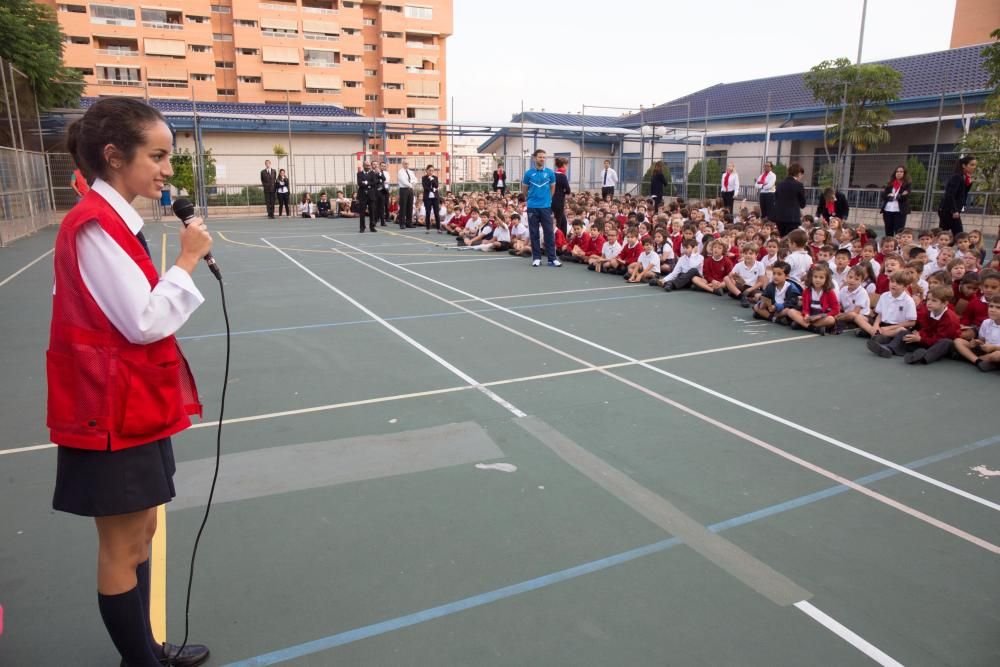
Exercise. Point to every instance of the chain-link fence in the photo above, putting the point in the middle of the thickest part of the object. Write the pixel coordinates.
(25, 195)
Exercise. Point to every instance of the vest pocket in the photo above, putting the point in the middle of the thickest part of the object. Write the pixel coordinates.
(152, 400)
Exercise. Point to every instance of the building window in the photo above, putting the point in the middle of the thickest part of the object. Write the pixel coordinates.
(245, 23)
(352, 84)
(248, 79)
(221, 37)
(350, 5)
(320, 58)
(370, 72)
(320, 35)
(392, 35)
(349, 31)
(392, 86)
(166, 83)
(414, 12)
(354, 109)
(73, 9)
(371, 97)
(85, 71)
(248, 52)
(162, 18)
(369, 21)
(199, 48)
(396, 9)
(203, 77)
(277, 32)
(226, 92)
(392, 61)
(221, 9)
(196, 19)
(69, 39)
(111, 15)
(351, 58)
(394, 135)
(422, 113)
(394, 112)
(369, 47)
(223, 64)
(119, 76)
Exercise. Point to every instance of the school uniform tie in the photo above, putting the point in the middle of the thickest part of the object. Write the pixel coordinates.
(142, 240)
(605, 177)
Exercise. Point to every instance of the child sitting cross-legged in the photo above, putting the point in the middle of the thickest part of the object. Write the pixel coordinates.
(931, 339)
(820, 305)
(687, 267)
(854, 301)
(609, 251)
(593, 247)
(714, 269)
(984, 349)
(647, 267)
(780, 295)
(629, 253)
(894, 312)
(746, 278)
(575, 243)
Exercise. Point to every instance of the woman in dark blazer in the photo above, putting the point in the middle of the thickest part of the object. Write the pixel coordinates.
(956, 190)
(832, 203)
(896, 201)
(500, 180)
(657, 185)
(789, 200)
(559, 196)
(429, 182)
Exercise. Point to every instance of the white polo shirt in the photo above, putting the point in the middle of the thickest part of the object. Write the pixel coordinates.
(849, 300)
(611, 250)
(896, 309)
(799, 261)
(650, 260)
(989, 331)
(839, 277)
(749, 274)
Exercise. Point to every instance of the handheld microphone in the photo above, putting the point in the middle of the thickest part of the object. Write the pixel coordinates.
(184, 209)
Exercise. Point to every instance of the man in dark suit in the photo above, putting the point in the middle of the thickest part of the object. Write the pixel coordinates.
(268, 176)
(368, 183)
(789, 200)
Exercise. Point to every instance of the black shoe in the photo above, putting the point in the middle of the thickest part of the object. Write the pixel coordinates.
(192, 655)
(668, 287)
(879, 349)
(915, 357)
(383, 224)
(745, 302)
(654, 282)
(985, 366)
(372, 229)
(718, 292)
(361, 231)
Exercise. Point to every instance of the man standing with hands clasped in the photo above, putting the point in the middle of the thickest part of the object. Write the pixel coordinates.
(609, 181)
(541, 185)
(268, 178)
(406, 180)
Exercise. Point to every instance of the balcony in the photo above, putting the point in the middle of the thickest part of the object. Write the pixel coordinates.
(319, 7)
(116, 52)
(119, 82)
(162, 19)
(278, 6)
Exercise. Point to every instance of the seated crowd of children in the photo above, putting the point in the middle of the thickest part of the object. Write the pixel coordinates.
(920, 295)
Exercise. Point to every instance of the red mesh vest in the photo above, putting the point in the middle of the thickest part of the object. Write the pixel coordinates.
(103, 391)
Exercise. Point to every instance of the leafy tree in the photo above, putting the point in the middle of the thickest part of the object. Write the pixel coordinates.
(183, 166)
(984, 140)
(917, 172)
(33, 42)
(859, 94)
(713, 176)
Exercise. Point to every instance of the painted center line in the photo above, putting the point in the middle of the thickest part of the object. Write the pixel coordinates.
(26, 267)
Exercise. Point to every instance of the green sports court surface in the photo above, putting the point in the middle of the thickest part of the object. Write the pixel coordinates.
(435, 457)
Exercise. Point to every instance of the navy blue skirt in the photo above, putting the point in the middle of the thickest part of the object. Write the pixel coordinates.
(105, 483)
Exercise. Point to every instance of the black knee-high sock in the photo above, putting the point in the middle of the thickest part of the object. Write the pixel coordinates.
(143, 578)
(122, 615)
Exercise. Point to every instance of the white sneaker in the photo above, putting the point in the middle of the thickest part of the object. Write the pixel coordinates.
(536, 262)
(555, 262)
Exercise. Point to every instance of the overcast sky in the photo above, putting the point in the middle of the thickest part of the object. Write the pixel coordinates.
(561, 55)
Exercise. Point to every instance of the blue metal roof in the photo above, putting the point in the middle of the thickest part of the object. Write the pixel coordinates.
(543, 118)
(960, 70)
(241, 108)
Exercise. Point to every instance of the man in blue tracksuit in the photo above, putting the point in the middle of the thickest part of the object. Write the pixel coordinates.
(540, 182)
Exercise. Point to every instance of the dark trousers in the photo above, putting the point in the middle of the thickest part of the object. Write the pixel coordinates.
(683, 280)
(937, 351)
(894, 222)
(375, 207)
(784, 227)
(607, 192)
(432, 206)
(541, 218)
(948, 223)
(269, 202)
(657, 203)
(283, 203)
(727, 199)
(384, 195)
(405, 216)
(502, 190)
(559, 216)
(366, 206)
(766, 203)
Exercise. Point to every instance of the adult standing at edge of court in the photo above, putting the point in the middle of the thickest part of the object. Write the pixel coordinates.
(118, 385)
(609, 180)
(385, 193)
(430, 184)
(500, 180)
(367, 181)
(405, 179)
(541, 184)
(765, 183)
(559, 195)
(730, 186)
(657, 185)
(268, 180)
(956, 191)
(789, 200)
(896, 201)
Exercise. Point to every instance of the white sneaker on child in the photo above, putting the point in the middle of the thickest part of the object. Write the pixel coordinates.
(536, 262)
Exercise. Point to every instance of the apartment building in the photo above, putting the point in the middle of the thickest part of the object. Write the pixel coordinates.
(373, 58)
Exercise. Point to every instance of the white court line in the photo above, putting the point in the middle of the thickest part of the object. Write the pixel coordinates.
(725, 397)
(848, 635)
(454, 261)
(890, 502)
(26, 267)
(454, 370)
(449, 390)
(562, 291)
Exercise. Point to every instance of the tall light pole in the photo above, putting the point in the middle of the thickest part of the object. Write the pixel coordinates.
(845, 172)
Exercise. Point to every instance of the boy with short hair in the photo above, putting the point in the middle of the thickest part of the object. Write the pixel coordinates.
(746, 278)
(798, 259)
(688, 266)
(855, 303)
(647, 266)
(627, 255)
(575, 243)
(841, 266)
(931, 339)
(609, 250)
(976, 309)
(780, 293)
(595, 244)
(894, 312)
(714, 269)
(984, 349)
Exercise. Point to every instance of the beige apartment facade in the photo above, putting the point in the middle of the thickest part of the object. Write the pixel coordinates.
(974, 21)
(373, 58)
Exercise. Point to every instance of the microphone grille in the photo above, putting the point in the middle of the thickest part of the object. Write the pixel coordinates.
(183, 208)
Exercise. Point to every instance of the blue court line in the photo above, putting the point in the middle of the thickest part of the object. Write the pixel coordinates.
(415, 317)
(375, 629)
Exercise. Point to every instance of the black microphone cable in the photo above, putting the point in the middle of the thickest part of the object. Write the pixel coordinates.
(215, 476)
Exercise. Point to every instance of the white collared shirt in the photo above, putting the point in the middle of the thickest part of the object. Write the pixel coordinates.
(849, 300)
(895, 310)
(734, 182)
(405, 178)
(989, 332)
(768, 185)
(119, 286)
(650, 260)
(609, 178)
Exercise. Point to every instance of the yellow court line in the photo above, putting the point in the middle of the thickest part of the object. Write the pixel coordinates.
(158, 559)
